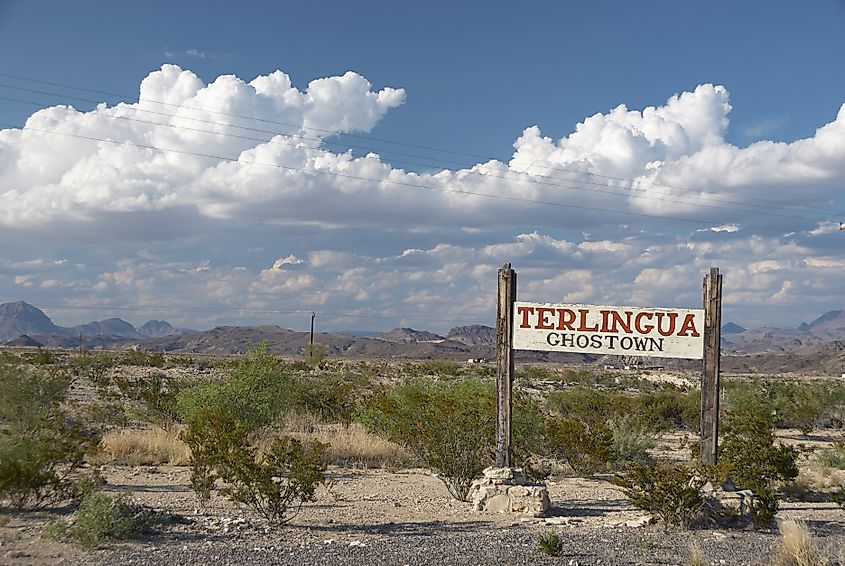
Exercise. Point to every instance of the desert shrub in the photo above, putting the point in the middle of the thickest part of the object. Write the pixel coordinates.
(40, 450)
(749, 456)
(442, 368)
(630, 443)
(333, 398)
(285, 475)
(449, 427)
(671, 492)
(587, 404)
(99, 519)
(585, 445)
(93, 366)
(43, 358)
(157, 395)
(9, 359)
(141, 358)
(537, 373)
(838, 497)
(833, 457)
(315, 355)
(529, 438)
(29, 397)
(258, 391)
(551, 545)
(804, 406)
(670, 408)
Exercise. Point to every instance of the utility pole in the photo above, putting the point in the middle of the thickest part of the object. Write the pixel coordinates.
(313, 314)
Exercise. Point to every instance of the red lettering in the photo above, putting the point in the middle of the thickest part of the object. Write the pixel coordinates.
(565, 319)
(604, 317)
(672, 316)
(544, 323)
(643, 329)
(524, 311)
(688, 326)
(583, 326)
(616, 318)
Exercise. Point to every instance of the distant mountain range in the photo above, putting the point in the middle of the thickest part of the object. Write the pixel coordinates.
(19, 318)
(828, 327)
(818, 345)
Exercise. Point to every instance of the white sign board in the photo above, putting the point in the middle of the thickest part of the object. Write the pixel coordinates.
(624, 331)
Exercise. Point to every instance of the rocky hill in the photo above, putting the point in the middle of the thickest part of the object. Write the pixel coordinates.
(817, 346)
(409, 336)
(473, 335)
(20, 318)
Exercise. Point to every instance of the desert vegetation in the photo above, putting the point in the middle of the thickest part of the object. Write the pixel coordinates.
(266, 434)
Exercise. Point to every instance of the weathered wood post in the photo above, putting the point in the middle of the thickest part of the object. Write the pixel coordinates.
(710, 366)
(504, 375)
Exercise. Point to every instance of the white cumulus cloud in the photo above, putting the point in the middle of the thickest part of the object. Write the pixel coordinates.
(174, 199)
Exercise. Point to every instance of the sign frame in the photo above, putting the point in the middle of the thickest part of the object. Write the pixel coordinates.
(510, 322)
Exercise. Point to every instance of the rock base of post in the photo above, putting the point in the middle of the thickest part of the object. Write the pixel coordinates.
(506, 490)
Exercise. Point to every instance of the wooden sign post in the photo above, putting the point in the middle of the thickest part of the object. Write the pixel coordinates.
(504, 374)
(710, 366)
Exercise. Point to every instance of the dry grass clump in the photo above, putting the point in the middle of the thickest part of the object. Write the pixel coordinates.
(348, 446)
(152, 446)
(696, 556)
(797, 546)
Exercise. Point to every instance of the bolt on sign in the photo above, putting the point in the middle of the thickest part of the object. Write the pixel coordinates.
(593, 329)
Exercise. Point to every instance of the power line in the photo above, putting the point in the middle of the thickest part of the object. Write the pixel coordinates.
(399, 183)
(771, 203)
(530, 179)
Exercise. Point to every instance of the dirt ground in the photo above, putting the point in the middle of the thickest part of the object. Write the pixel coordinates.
(360, 507)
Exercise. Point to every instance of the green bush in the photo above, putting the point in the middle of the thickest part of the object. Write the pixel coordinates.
(333, 398)
(315, 355)
(100, 519)
(449, 427)
(141, 358)
(258, 391)
(630, 444)
(441, 368)
(672, 493)
(833, 457)
(41, 451)
(157, 395)
(270, 483)
(800, 405)
(749, 456)
(551, 545)
(586, 445)
(94, 367)
(670, 408)
(43, 358)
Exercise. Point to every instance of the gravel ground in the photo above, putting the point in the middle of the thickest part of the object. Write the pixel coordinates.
(378, 518)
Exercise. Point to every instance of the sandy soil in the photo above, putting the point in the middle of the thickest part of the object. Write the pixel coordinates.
(366, 508)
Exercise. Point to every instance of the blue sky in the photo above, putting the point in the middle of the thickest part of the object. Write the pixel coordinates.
(474, 77)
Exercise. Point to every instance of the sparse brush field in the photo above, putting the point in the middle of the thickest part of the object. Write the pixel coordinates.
(147, 458)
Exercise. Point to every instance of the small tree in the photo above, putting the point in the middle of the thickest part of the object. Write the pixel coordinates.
(40, 449)
(270, 484)
(449, 427)
(673, 493)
